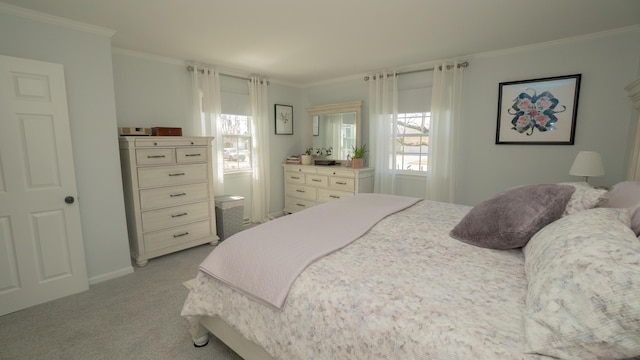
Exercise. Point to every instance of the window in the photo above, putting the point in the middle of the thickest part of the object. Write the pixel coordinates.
(236, 130)
(412, 136)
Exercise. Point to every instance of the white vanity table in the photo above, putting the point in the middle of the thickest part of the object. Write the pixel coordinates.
(336, 126)
(309, 185)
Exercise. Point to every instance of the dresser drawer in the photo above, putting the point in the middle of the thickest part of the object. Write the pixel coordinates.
(171, 175)
(317, 180)
(176, 235)
(337, 172)
(325, 195)
(173, 195)
(160, 141)
(155, 156)
(344, 184)
(301, 169)
(177, 215)
(191, 155)
(302, 192)
(295, 205)
(294, 178)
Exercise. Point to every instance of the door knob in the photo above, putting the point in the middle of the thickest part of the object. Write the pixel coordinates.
(69, 199)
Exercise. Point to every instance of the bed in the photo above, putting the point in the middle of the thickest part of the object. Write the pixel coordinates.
(416, 285)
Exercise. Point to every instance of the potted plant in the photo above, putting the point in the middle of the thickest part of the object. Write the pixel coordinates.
(305, 159)
(357, 159)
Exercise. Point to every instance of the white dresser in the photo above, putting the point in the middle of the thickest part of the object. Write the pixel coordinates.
(168, 193)
(309, 185)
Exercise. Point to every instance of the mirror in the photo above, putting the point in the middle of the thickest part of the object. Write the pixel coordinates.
(336, 127)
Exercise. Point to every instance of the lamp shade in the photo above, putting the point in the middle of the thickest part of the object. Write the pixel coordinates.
(587, 163)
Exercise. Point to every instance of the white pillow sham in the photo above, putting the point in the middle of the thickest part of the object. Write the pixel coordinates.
(583, 297)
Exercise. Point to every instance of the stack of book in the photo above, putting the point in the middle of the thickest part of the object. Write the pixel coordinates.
(293, 159)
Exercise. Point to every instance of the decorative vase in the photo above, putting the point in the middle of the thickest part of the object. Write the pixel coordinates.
(305, 159)
(357, 163)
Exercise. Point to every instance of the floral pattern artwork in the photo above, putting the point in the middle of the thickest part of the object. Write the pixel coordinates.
(538, 111)
(531, 112)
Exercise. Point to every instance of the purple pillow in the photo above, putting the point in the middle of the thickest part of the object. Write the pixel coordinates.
(509, 219)
(625, 195)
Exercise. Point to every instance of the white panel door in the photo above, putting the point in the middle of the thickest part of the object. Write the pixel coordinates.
(41, 248)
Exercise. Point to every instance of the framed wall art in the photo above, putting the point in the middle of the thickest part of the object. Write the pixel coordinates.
(284, 119)
(538, 111)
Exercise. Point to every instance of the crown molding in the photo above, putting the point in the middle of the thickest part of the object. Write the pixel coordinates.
(553, 43)
(54, 20)
(148, 56)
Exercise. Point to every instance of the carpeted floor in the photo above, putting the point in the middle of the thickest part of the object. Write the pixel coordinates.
(136, 316)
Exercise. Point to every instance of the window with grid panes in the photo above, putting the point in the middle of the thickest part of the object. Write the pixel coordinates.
(412, 141)
(236, 130)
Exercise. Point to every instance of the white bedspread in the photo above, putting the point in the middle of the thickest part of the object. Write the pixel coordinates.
(404, 290)
(264, 261)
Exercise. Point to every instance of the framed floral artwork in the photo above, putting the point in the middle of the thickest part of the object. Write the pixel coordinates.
(284, 119)
(538, 111)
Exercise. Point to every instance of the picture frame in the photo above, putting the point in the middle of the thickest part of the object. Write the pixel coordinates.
(284, 119)
(538, 111)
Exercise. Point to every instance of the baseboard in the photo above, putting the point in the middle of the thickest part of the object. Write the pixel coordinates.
(112, 275)
(276, 215)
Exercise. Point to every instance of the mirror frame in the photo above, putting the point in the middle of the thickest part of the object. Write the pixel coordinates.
(337, 108)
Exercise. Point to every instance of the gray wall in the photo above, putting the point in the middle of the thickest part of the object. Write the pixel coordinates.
(154, 91)
(608, 62)
(605, 120)
(86, 56)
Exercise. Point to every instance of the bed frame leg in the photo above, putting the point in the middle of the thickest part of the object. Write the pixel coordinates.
(199, 334)
(201, 341)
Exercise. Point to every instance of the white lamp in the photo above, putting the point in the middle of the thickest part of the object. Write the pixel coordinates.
(587, 163)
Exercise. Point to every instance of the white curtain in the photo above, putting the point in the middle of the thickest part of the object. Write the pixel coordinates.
(206, 111)
(444, 131)
(383, 115)
(336, 138)
(261, 185)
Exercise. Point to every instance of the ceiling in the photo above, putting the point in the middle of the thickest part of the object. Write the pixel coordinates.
(303, 42)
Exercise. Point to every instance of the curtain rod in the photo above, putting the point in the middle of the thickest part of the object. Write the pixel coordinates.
(190, 68)
(460, 65)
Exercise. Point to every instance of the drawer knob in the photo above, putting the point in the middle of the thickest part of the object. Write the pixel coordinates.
(178, 215)
(316, 180)
(334, 196)
(341, 183)
(181, 234)
(178, 194)
(300, 191)
(302, 205)
(295, 178)
(193, 154)
(155, 156)
(177, 174)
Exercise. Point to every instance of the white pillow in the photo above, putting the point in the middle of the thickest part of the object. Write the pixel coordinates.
(585, 197)
(625, 194)
(583, 296)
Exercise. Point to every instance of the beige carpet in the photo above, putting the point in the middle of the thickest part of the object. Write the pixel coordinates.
(133, 317)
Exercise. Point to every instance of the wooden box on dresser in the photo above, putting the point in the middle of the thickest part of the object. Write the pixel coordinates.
(309, 185)
(168, 190)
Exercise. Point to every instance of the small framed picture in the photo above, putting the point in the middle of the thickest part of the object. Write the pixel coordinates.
(284, 119)
(538, 111)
